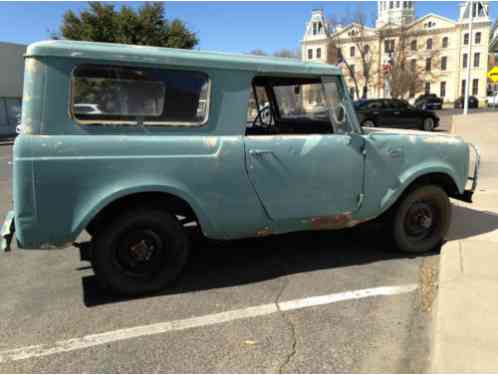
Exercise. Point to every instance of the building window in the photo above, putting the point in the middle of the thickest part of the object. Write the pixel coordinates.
(413, 65)
(463, 87)
(397, 4)
(475, 86)
(413, 45)
(428, 63)
(318, 53)
(427, 87)
(466, 38)
(351, 51)
(389, 45)
(478, 37)
(314, 28)
(477, 56)
(366, 49)
(391, 4)
(442, 89)
(445, 42)
(464, 61)
(428, 43)
(444, 62)
(310, 54)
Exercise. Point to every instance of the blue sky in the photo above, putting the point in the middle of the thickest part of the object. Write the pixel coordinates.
(222, 26)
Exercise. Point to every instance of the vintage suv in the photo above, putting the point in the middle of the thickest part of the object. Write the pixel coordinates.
(242, 146)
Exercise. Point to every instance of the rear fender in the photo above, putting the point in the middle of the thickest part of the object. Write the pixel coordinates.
(87, 212)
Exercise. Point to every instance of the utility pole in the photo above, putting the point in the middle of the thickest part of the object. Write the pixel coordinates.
(469, 60)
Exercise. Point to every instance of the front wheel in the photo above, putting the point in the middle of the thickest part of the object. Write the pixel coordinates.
(140, 252)
(428, 125)
(421, 220)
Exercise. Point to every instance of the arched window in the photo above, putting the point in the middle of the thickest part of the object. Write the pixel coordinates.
(445, 42)
(413, 45)
(429, 43)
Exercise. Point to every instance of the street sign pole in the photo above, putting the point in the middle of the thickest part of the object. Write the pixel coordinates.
(469, 60)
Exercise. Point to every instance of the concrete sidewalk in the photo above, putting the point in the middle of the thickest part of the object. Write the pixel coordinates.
(466, 315)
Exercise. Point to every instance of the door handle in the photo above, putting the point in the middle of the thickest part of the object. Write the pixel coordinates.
(259, 152)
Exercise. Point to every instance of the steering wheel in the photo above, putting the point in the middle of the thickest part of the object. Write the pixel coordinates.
(264, 116)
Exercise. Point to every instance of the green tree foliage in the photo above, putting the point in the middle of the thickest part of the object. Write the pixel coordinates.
(145, 26)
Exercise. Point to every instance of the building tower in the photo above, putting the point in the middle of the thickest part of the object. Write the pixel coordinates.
(395, 12)
(480, 11)
(315, 39)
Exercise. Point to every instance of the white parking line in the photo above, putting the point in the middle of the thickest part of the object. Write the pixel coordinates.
(201, 321)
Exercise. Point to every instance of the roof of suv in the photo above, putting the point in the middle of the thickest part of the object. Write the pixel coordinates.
(170, 56)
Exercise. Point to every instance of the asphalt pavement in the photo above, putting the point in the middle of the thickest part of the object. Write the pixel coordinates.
(50, 304)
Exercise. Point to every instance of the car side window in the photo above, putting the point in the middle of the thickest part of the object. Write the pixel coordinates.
(131, 95)
(375, 105)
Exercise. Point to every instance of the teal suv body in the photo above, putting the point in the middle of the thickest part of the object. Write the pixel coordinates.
(140, 146)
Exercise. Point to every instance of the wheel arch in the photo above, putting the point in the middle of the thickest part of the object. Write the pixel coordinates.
(443, 178)
(170, 199)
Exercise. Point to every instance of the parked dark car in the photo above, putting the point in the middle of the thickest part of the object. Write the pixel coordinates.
(429, 101)
(473, 102)
(394, 113)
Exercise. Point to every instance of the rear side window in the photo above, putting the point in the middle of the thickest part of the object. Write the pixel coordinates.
(131, 95)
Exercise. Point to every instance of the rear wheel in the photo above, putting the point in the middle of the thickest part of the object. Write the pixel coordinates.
(422, 219)
(428, 125)
(141, 251)
(368, 124)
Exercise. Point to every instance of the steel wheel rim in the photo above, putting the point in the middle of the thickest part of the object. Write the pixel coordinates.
(420, 219)
(141, 253)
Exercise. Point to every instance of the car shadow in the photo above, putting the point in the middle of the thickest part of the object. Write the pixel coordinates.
(468, 222)
(220, 264)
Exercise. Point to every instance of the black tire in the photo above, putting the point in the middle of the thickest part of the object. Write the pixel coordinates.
(428, 124)
(421, 219)
(140, 252)
(366, 123)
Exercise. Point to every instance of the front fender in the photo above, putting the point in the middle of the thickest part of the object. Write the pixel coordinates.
(414, 173)
(87, 211)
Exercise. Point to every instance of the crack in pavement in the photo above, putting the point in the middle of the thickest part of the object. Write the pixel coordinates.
(291, 326)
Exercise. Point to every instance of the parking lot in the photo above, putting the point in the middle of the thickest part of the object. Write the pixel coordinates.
(253, 302)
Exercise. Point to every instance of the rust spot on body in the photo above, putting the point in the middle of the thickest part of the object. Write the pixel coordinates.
(331, 222)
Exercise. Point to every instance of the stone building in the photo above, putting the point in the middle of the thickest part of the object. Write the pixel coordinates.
(431, 49)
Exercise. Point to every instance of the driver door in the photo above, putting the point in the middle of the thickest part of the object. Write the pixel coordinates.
(304, 174)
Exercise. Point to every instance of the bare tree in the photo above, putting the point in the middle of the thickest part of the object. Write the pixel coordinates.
(412, 64)
(287, 53)
(258, 51)
(359, 36)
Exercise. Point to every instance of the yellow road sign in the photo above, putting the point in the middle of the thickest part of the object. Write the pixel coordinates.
(493, 74)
